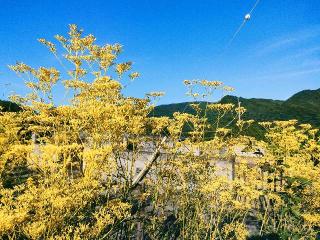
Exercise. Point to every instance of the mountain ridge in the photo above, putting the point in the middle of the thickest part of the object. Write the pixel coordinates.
(303, 106)
(8, 106)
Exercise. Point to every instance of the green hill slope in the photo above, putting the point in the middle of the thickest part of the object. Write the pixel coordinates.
(7, 106)
(303, 106)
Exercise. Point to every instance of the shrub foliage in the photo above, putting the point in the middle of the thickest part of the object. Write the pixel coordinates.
(68, 171)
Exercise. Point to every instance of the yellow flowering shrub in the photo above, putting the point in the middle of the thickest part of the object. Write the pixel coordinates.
(69, 171)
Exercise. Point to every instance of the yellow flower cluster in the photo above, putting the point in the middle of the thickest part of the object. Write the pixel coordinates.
(79, 171)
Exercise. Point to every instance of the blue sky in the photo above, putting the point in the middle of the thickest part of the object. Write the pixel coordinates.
(276, 54)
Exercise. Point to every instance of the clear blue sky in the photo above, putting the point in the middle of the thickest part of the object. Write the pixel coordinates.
(276, 54)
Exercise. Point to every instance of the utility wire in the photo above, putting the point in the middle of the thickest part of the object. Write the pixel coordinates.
(235, 34)
(242, 24)
(254, 7)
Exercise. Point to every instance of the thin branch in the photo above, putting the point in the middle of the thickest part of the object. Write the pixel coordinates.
(148, 166)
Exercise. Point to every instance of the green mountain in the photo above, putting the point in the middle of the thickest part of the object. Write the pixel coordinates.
(303, 106)
(7, 106)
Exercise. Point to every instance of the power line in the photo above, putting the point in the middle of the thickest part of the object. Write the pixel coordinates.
(254, 7)
(245, 20)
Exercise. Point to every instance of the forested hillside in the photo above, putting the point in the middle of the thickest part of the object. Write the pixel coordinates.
(7, 106)
(303, 106)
